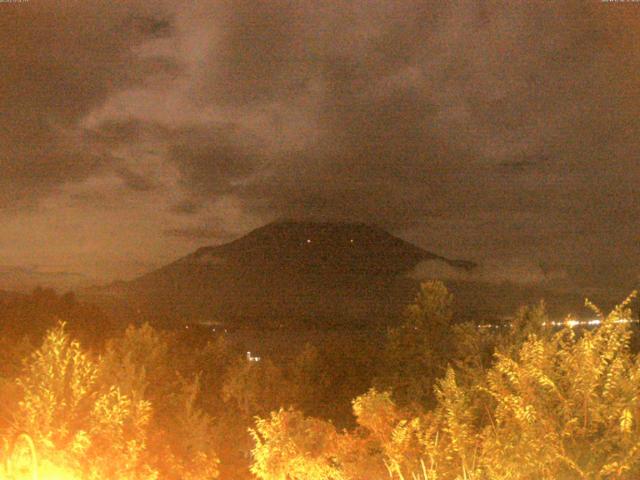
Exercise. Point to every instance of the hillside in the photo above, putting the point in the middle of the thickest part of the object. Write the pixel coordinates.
(287, 274)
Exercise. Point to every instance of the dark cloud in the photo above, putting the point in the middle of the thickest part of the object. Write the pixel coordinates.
(135, 181)
(197, 233)
(478, 129)
(211, 159)
(186, 207)
(261, 52)
(28, 278)
(523, 164)
(59, 61)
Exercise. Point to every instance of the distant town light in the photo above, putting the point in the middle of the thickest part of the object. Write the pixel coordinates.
(571, 323)
(252, 358)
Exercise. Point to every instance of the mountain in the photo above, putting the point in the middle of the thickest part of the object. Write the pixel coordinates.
(287, 274)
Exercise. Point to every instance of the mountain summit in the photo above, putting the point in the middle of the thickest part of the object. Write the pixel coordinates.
(289, 273)
(349, 248)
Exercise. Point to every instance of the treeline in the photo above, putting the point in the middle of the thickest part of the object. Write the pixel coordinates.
(186, 401)
(438, 399)
(545, 404)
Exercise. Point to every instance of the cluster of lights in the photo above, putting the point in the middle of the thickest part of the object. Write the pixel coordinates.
(253, 358)
(484, 326)
(350, 240)
(188, 327)
(571, 323)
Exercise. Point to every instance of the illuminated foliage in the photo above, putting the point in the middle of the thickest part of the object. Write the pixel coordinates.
(290, 446)
(391, 432)
(255, 388)
(180, 434)
(94, 419)
(518, 403)
(74, 421)
(567, 407)
(555, 406)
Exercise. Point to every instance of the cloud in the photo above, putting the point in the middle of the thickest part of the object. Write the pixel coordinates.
(27, 278)
(195, 233)
(60, 61)
(476, 130)
(186, 207)
(512, 271)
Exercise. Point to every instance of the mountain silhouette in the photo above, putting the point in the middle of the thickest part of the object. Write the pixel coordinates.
(287, 274)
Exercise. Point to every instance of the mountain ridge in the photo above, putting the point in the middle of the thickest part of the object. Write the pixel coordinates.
(279, 240)
(289, 272)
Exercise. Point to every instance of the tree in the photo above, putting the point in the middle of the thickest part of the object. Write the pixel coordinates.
(311, 378)
(75, 421)
(418, 350)
(256, 388)
(290, 446)
(555, 406)
(472, 352)
(181, 434)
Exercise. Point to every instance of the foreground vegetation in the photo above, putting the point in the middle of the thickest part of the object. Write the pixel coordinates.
(439, 400)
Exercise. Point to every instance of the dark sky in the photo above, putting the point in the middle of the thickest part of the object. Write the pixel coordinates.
(504, 132)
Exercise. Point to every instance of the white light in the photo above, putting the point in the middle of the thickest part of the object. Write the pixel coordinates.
(252, 358)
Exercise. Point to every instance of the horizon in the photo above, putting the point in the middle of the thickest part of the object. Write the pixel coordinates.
(21, 279)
